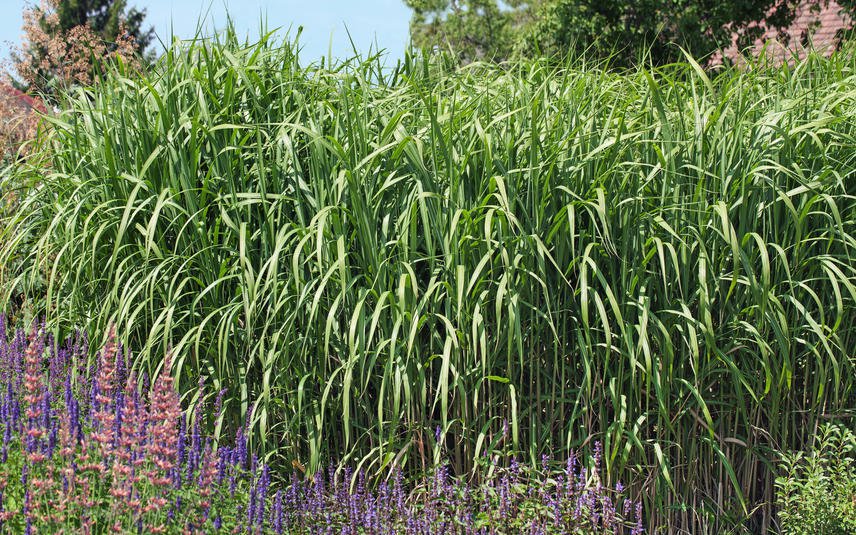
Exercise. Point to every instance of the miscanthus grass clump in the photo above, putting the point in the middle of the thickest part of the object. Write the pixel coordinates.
(89, 449)
(663, 258)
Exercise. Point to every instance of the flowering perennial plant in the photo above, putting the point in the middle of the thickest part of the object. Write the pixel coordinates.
(86, 450)
(514, 500)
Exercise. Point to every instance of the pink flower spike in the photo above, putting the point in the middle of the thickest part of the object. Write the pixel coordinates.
(164, 412)
(104, 417)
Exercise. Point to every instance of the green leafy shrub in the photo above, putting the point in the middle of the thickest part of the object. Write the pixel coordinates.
(816, 493)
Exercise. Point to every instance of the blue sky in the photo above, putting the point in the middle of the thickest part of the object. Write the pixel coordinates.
(384, 22)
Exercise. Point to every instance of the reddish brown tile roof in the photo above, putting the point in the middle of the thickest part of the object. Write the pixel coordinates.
(820, 28)
(19, 97)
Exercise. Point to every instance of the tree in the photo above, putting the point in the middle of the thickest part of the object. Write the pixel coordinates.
(106, 18)
(66, 42)
(474, 29)
(623, 30)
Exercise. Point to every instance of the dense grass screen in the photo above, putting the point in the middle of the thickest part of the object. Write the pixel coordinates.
(381, 263)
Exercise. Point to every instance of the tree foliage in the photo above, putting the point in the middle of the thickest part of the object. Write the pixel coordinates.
(66, 42)
(622, 30)
(475, 29)
(106, 18)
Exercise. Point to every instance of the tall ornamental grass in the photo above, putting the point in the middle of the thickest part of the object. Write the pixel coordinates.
(662, 260)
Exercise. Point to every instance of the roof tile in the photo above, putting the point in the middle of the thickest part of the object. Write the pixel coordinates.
(819, 27)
